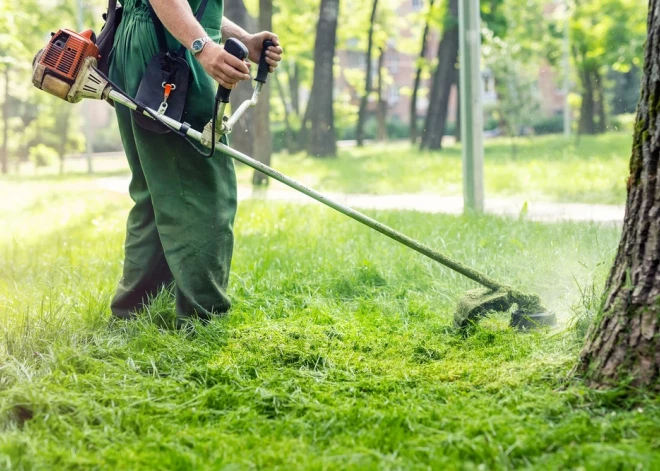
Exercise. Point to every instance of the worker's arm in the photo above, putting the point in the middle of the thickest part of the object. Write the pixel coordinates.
(254, 42)
(178, 18)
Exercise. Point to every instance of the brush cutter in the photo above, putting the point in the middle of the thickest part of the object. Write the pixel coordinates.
(66, 68)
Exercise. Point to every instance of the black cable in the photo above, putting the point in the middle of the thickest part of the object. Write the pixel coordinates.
(156, 117)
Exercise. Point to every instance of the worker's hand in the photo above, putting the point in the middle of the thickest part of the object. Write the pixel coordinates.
(225, 69)
(255, 42)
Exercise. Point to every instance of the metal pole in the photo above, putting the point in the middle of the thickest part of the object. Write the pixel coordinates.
(409, 242)
(471, 104)
(567, 73)
(86, 110)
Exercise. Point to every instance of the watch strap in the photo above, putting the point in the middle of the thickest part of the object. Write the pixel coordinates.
(204, 40)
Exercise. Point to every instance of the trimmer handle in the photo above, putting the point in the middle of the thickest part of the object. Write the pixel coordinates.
(262, 73)
(236, 49)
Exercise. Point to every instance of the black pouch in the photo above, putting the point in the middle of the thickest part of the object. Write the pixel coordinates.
(164, 85)
(164, 70)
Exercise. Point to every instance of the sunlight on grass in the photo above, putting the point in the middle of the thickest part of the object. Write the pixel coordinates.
(544, 168)
(337, 354)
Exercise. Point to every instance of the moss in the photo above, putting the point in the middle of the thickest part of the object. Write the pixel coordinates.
(653, 107)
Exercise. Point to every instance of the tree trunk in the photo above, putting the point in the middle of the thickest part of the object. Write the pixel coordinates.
(294, 87)
(5, 126)
(443, 78)
(457, 126)
(263, 142)
(64, 120)
(289, 133)
(418, 77)
(242, 137)
(587, 111)
(362, 113)
(624, 343)
(381, 112)
(321, 139)
(600, 103)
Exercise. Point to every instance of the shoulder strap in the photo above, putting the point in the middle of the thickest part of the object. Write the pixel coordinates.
(160, 29)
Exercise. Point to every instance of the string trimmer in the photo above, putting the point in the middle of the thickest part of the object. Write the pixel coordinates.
(66, 68)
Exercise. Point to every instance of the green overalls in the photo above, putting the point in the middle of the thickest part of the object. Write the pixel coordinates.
(180, 229)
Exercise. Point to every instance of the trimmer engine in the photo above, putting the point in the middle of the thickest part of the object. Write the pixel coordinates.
(66, 67)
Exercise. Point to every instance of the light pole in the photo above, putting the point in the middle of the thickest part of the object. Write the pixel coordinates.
(86, 110)
(471, 105)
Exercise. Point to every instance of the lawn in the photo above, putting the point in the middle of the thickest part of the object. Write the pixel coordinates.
(338, 353)
(544, 168)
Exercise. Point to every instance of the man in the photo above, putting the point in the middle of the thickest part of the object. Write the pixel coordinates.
(180, 230)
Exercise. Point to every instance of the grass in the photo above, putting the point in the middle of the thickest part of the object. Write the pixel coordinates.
(338, 353)
(545, 168)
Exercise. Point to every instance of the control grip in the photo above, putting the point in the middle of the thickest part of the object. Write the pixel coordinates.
(236, 49)
(262, 73)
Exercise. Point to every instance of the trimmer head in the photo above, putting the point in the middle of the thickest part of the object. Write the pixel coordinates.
(526, 310)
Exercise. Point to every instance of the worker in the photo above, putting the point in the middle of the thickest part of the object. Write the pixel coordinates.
(180, 230)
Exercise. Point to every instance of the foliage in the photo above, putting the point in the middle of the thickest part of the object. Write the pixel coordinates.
(23, 31)
(42, 156)
(338, 353)
(605, 35)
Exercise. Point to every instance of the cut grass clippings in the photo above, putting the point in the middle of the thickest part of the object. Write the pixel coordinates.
(337, 354)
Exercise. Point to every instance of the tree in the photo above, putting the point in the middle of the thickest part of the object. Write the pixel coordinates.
(604, 34)
(242, 138)
(362, 113)
(623, 345)
(418, 75)
(263, 145)
(321, 138)
(381, 111)
(443, 78)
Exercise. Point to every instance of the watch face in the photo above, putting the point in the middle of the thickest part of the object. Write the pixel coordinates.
(197, 45)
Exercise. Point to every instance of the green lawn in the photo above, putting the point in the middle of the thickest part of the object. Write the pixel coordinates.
(544, 168)
(338, 353)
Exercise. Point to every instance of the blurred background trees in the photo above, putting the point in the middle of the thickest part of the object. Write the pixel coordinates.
(362, 70)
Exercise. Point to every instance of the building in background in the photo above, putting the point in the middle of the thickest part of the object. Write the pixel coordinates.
(400, 67)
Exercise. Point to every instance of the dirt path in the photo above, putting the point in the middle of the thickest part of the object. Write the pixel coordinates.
(428, 203)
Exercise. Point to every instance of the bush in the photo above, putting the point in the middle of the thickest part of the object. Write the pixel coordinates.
(622, 122)
(42, 156)
(549, 125)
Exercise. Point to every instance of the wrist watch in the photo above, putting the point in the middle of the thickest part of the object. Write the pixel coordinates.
(198, 45)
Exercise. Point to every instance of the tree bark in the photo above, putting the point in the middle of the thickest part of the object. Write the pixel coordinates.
(294, 87)
(65, 121)
(362, 113)
(624, 343)
(599, 87)
(381, 112)
(457, 126)
(443, 78)
(587, 108)
(242, 137)
(263, 142)
(290, 140)
(418, 78)
(5, 126)
(321, 138)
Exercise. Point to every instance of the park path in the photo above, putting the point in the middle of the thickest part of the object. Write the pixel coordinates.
(428, 203)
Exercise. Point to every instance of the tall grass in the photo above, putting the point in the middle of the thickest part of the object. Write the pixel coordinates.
(337, 354)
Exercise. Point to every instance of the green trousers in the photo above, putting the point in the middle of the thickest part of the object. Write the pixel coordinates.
(180, 230)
